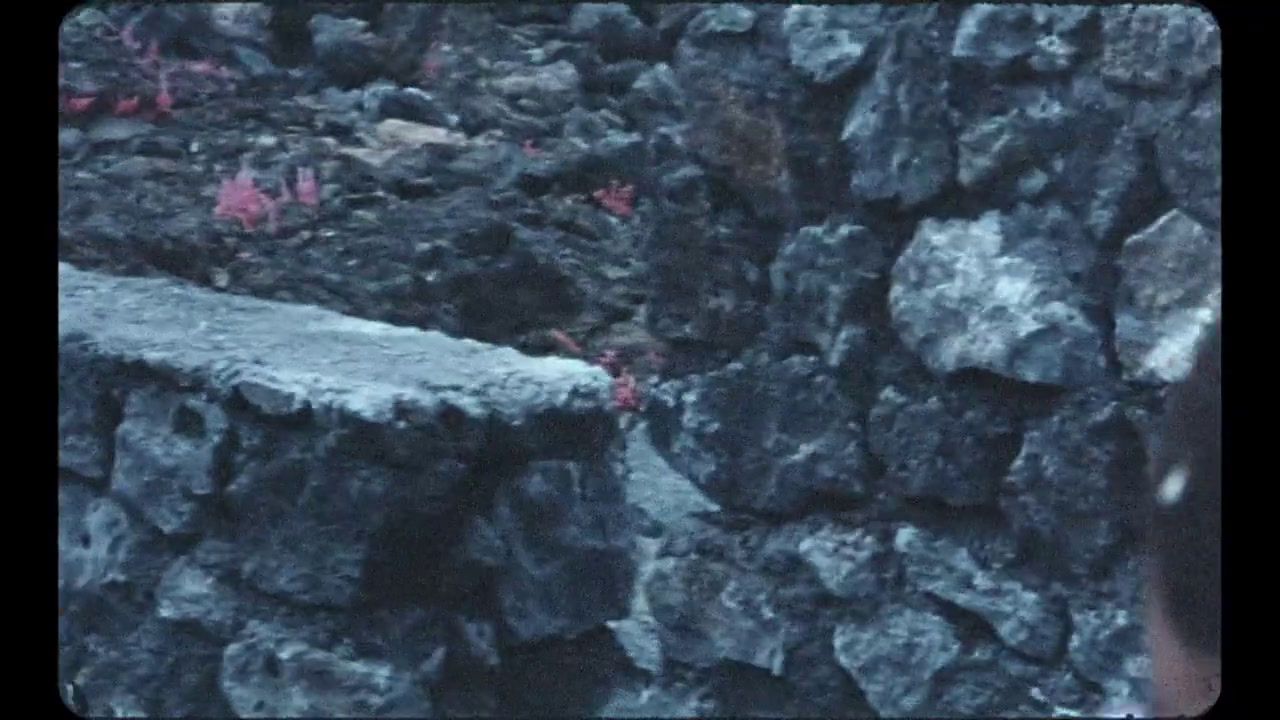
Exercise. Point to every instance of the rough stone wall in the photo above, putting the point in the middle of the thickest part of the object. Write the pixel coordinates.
(270, 510)
(924, 271)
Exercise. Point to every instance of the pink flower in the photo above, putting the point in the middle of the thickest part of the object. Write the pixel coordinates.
(77, 105)
(164, 101)
(306, 189)
(127, 106)
(616, 198)
(240, 199)
(626, 394)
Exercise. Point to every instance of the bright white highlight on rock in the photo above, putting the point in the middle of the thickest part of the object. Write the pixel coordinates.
(1171, 489)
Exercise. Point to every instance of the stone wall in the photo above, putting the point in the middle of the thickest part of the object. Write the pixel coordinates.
(268, 509)
(921, 275)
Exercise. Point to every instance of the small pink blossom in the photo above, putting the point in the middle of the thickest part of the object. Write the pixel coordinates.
(306, 189)
(164, 101)
(616, 198)
(626, 393)
(127, 106)
(77, 105)
(240, 199)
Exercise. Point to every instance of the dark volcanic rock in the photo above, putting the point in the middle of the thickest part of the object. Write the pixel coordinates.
(769, 438)
(826, 282)
(567, 566)
(1170, 293)
(962, 297)
(897, 133)
(1159, 46)
(1044, 38)
(896, 657)
(1074, 490)
(167, 455)
(941, 448)
(346, 50)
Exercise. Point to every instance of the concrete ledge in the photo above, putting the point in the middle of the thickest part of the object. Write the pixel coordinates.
(283, 356)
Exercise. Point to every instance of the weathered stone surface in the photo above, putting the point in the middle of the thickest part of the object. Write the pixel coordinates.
(1122, 189)
(550, 88)
(1022, 617)
(266, 674)
(242, 21)
(709, 612)
(1078, 144)
(99, 545)
(1189, 156)
(897, 132)
(168, 448)
(1170, 293)
(659, 700)
(826, 281)
(896, 657)
(1076, 485)
(1159, 46)
(1045, 38)
(826, 43)
(941, 447)
(87, 413)
(188, 592)
(724, 19)
(655, 487)
(963, 298)
(346, 50)
(1108, 640)
(444, 387)
(1012, 153)
(613, 29)
(655, 98)
(638, 633)
(990, 675)
(852, 565)
(368, 510)
(1048, 235)
(768, 438)
(639, 639)
(568, 564)
(309, 519)
(408, 28)
(130, 666)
